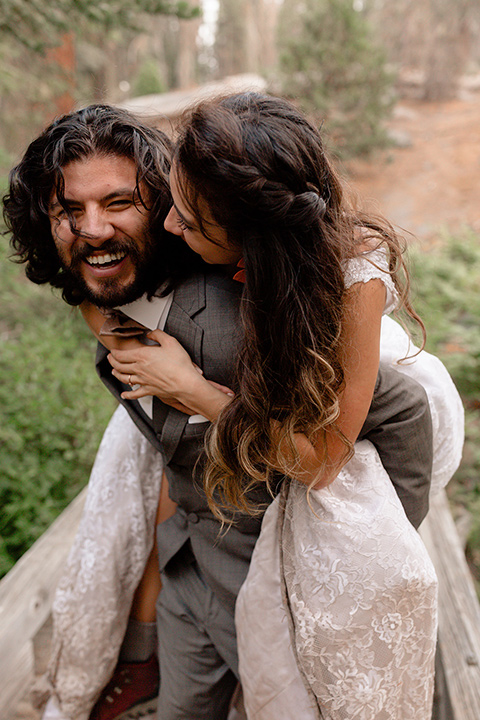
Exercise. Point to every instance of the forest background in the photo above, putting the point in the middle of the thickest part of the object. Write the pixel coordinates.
(357, 67)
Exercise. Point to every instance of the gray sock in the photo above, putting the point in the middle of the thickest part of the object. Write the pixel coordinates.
(140, 641)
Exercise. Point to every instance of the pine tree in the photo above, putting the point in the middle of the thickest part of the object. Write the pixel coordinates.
(331, 64)
(39, 23)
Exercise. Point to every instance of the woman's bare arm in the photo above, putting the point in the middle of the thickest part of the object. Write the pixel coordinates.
(211, 395)
(364, 306)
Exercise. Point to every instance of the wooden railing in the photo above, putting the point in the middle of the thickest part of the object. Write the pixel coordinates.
(459, 617)
(26, 594)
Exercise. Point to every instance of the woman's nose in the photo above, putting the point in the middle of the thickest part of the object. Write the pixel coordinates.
(171, 222)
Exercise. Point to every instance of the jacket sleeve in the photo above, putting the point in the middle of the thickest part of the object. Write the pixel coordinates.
(400, 426)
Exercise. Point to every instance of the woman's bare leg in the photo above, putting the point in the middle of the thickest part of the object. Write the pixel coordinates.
(142, 612)
(143, 605)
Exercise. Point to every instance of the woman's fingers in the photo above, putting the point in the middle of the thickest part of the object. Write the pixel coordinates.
(223, 388)
(159, 335)
(144, 391)
(121, 365)
(126, 378)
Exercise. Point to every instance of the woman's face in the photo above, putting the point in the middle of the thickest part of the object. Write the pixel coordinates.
(213, 249)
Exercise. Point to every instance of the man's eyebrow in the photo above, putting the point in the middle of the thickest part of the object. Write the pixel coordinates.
(120, 192)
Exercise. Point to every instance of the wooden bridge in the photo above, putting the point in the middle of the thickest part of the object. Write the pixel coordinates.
(26, 595)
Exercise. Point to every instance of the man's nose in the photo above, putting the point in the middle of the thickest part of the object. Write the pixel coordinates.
(95, 227)
(171, 223)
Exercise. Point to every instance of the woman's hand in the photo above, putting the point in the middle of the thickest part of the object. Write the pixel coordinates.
(167, 371)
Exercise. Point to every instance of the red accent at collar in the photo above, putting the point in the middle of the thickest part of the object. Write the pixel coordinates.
(240, 275)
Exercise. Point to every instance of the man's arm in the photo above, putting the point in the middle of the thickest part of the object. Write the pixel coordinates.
(400, 427)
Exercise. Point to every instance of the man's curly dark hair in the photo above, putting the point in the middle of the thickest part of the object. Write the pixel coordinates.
(94, 130)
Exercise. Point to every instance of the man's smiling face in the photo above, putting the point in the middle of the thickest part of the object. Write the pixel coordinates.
(110, 252)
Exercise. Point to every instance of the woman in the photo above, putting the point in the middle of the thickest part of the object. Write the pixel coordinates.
(337, 617)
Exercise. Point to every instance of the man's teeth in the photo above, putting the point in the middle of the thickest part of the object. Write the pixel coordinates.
(105, 259)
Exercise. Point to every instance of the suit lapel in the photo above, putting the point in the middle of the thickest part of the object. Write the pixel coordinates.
(188, 300)
(141, 420)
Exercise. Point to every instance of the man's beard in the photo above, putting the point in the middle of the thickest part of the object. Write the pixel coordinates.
(112, 291)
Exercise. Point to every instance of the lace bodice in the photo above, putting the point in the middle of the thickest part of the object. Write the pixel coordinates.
(370, 266)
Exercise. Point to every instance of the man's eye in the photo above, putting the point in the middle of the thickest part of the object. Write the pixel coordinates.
(120, 204)
(61, 213)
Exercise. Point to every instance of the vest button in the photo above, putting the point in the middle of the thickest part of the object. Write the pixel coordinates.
(193, 517)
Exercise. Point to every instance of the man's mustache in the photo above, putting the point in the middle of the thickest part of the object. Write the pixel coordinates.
(82, 252)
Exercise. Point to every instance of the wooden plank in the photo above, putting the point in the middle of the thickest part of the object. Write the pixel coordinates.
(26, 595)
(459, 611)
(20, 674)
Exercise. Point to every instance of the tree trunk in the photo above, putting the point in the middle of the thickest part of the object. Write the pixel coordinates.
(448, 48)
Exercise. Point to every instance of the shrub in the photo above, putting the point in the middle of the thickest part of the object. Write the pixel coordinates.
(447, 281)
(148, 80)
(53, 409)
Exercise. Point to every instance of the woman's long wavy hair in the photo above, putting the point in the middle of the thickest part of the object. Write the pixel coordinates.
(261, 168)
(96, 130)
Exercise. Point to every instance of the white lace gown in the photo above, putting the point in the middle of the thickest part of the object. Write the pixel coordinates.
(360, 586)
(337, 618)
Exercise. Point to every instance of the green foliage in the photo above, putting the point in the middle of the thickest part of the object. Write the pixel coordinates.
(53, 409)
(148, 79)
(30, 86)
(330, 62)
(38, 23)
(447, 282)
(447, 288)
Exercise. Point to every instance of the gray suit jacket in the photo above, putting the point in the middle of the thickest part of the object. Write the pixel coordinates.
(204, 318)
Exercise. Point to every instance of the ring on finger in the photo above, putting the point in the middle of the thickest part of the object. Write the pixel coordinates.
(129, 380)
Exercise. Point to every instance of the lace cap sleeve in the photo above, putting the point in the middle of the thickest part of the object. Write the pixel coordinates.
(370, 266)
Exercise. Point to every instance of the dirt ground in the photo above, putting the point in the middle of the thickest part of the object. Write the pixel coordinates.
(431, 179)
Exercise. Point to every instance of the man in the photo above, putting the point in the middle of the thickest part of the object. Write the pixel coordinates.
(86, 209)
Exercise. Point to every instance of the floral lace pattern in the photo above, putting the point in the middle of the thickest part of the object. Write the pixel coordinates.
(104, 567)
(355, 634)
(370, 266)
(363, 603)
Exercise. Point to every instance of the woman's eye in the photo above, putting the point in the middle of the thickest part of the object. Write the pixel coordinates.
(182, 224)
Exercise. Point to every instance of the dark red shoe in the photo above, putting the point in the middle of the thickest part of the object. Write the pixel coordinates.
(131, 693)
